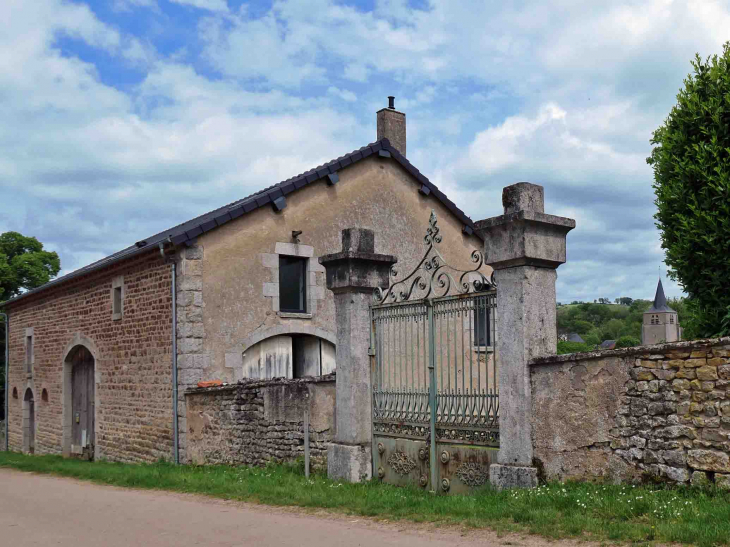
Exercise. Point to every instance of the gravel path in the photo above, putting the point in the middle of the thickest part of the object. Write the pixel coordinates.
(51, 511)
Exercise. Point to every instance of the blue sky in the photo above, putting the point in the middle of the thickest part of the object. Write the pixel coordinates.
(120, 118)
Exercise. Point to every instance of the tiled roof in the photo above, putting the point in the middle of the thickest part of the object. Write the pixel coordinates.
(188, 231)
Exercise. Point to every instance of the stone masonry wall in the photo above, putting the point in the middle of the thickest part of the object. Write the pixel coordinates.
(256, 422)
(658, 411)
(133, 360)
(192, 358)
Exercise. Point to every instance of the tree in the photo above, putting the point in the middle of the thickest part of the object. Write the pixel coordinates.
(691, 163)
(24, 264)
(628, 342)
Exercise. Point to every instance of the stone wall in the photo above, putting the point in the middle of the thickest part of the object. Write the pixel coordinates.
(256, 422)
(132, 354)
(656, 411)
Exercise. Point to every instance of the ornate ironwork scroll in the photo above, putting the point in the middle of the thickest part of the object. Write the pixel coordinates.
(401, 463)
(433, 276)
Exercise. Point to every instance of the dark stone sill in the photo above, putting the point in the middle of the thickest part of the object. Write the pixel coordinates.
(255, 383)
(629, 352)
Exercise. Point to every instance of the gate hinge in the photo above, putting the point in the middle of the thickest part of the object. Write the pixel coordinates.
(371, 352)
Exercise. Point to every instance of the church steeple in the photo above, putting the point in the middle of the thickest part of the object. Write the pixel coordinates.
(660, 301)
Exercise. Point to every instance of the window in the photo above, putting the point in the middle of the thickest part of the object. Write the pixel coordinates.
(117, 300)
(292, 284)
(117, 297)
(671, 320)
(29, 354)
(482, 323)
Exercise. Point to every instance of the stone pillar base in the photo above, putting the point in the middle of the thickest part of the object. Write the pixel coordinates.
(350, 463)
(510, 476)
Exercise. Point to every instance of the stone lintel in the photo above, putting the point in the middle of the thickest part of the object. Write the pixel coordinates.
(511, 476)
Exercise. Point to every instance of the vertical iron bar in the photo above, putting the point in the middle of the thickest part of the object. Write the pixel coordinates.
(432, 395)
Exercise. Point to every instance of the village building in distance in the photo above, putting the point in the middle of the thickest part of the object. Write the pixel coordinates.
(102, 360)
(661, 323)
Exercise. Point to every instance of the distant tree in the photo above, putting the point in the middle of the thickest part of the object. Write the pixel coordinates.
(573, 347)
(628, 342)
(624, 301)
(24, 264)
(691, 163)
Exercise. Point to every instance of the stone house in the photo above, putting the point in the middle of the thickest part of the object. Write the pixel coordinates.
(101, 358)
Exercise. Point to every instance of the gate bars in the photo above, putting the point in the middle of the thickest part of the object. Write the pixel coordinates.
(434, 377)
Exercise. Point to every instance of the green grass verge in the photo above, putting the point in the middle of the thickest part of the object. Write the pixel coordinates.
(587, 511)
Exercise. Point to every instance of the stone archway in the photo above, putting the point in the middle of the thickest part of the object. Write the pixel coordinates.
(80, 400)
(29, 422)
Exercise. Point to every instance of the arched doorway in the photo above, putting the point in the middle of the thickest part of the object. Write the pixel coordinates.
(28, 422)
(80, 376)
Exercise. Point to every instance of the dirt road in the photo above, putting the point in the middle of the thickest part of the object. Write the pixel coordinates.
(51, 511)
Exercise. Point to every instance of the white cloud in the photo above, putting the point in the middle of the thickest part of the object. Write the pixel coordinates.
(344, 94)
(563, 94)
(210, 5)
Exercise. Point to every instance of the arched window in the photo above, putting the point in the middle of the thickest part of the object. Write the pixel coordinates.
(44, 395)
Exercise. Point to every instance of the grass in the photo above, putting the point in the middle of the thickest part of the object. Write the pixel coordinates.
(644, 514)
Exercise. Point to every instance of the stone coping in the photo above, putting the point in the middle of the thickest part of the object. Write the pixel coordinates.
(629, 352)
(533, 216)
(251, 383)
(357, 255)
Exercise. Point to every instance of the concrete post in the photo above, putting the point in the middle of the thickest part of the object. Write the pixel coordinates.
(352, 275)
(524, 246)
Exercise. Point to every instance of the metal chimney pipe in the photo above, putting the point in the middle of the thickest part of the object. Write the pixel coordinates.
(391, 102)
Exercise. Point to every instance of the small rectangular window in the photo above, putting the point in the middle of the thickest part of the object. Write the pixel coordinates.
(29, 354)
(292, 284)
(482, 323)
(117, 300)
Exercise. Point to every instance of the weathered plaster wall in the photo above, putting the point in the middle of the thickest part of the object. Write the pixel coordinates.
(133, 387)
(235, 272)
(661, 411)
(257, 422)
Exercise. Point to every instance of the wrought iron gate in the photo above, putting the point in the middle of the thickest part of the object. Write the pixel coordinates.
(435, 393)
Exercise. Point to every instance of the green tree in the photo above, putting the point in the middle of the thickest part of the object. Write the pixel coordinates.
(691, 163)
(628, 342)
(24, 264)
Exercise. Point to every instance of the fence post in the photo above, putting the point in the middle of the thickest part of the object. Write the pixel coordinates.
(524, 246)
(352, 275)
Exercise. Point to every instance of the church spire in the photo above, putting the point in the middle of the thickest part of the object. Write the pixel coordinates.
(660, 301)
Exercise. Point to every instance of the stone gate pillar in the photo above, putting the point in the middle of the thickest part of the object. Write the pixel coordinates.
(353, 275)
(524, 246)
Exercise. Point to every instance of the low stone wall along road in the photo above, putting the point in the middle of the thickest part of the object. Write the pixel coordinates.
(45, 510)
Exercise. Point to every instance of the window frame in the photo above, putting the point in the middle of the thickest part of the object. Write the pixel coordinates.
(303, 278)
(117, 289)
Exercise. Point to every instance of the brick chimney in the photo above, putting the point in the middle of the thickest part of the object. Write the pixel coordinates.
(392, 126)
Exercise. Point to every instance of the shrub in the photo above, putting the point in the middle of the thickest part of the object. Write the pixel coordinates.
(573, 347)
(691, 163)
(628, 342)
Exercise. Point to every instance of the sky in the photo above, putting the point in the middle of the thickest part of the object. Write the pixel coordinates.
(121, 118)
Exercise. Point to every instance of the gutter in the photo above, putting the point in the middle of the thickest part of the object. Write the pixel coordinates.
(173, 266)
(7, 378)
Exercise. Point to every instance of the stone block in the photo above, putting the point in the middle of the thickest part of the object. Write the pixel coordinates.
(349, 463)
(686, 373)
(292, 249)
(673, 363)
(695, 363)
(506, 476)
(191, 283)
(677, 474)
(271, 289)
(707, 373)
(680, 385)
(269, 260)
(722, 481)
(641, 374)
(709, 460)
(677, 458)
(667, 375)
(194, 253)
(723, 372)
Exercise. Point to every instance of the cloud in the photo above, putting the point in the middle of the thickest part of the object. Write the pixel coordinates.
(210, 5)
(209, 107)
(343, 94)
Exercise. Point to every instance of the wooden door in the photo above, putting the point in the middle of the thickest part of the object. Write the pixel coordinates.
(82, 397)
